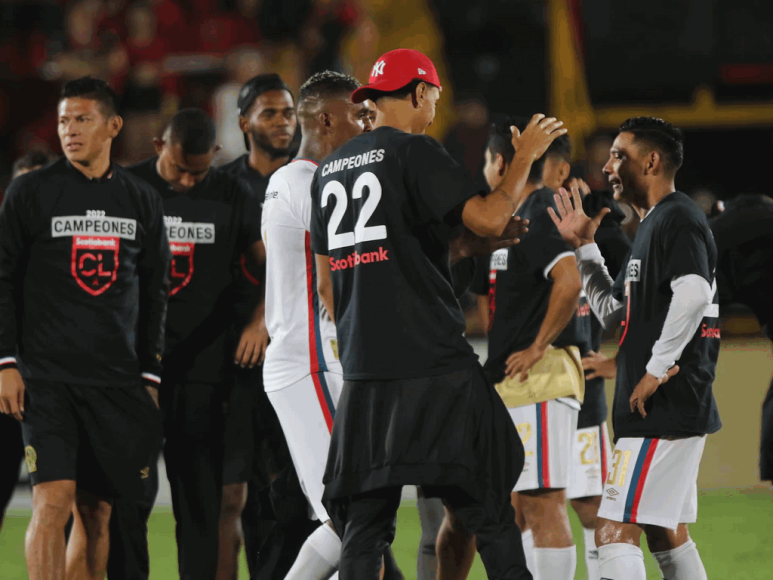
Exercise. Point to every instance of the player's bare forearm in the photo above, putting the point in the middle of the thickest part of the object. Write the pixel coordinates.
(564, 297)
(489, 216)
(324, 285)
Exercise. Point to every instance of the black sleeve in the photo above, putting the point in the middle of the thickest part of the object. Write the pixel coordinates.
(462, 274)
(318, 225)
(439, 182)
(686, 248)
(14, 241)
(249, 227)
(614, 246)
(618, 288)
(480, 282)
(153, 268)
(544, 243)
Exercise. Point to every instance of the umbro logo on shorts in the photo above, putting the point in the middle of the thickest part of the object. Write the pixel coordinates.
(612, 491)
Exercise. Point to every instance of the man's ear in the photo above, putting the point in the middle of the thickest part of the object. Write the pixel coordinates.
(158, 145)
(115, 124)
(326, 120)
(653, 163)
(564, 171)
(501, 165)
(243, 124)
(419, 95)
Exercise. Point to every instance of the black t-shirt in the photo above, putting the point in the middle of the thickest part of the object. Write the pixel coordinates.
(83, 276)
(383, 209)
(208, 228)
(614, 246)
(519, 287)
(674, 240)
(744, 237)
(250, 278)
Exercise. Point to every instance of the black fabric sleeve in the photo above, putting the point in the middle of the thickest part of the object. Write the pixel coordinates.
(14, 242)
(614, 246)
(249, 228)
(318, 225)
(153, 269)
(480, 282)
(545, 244)
(618, 288)
(439, 182)
(462, 274)
(685, 248)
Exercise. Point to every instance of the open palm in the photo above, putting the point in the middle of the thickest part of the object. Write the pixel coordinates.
(575, 227)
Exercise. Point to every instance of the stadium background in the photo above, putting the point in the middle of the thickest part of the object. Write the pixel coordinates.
(704, 65)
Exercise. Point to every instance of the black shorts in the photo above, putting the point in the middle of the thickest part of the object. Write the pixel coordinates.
(107, 439)
(449, 430)
(255, 446)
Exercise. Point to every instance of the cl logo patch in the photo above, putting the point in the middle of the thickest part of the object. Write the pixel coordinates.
(378, 68)
(32, 458)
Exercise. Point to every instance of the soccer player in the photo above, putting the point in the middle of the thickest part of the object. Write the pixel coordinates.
(84, 263)
(302, 374)
(212, 219)
(592, 451)
(539, 326)
(744, 236)
(12, 449)
(415, 408)
(260, 482)
(667, 301)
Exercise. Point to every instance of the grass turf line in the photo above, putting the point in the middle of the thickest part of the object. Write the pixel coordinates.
(731, 535)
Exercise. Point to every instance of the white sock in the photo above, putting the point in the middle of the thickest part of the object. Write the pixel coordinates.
(555, 563)
(682, 563)
(319, 556)
(527, 539)
(591, 553)
(431, 514)
(621, 562)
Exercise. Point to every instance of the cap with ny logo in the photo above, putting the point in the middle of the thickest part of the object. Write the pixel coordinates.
(396, 69)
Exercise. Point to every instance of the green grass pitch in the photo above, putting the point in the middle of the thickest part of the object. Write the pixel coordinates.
(732, 535)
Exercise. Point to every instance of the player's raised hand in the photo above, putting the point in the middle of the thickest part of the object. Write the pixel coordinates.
(575, 227)
(536, 137)
(599, 366)
(647, 387)
(252, 344)
(12, 393)
(520, 363)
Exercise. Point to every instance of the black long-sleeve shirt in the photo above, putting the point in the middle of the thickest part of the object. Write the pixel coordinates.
(83, 277)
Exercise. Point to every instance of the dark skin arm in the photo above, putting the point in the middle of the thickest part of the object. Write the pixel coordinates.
(564, 297)
(254, 339)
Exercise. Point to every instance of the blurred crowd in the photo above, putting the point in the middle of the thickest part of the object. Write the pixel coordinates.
(159, 55)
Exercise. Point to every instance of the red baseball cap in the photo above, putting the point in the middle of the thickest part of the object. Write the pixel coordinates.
(395, 70)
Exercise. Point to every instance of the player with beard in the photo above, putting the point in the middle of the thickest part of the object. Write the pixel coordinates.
(667, 301)
(384, 207)
(744, 237)
(84, 263)
(260, 483)
(12, 449)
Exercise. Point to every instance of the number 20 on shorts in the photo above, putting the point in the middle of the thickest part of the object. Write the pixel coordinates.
(362, 232)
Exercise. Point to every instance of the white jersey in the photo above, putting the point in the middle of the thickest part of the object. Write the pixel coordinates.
(303, 336)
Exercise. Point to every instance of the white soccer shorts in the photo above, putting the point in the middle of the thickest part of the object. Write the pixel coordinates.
(591, 458)
(306, 410)
(547, 431)
(653, 481)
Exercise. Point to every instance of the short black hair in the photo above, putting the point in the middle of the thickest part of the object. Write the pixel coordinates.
(327, 84)
(193, 130)
(660, 135)
(408, 89)
(95, 90)
(560, 147)
(33, 159)
(255, 87)
(500, 142)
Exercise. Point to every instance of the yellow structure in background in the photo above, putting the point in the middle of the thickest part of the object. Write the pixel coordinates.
(401, 24)
(570, 99)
